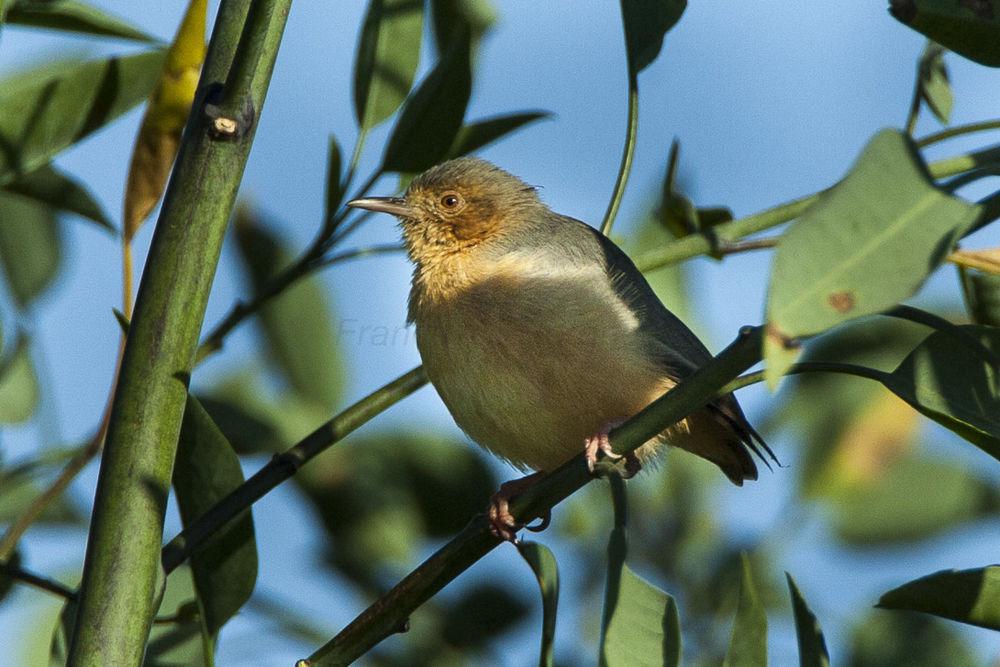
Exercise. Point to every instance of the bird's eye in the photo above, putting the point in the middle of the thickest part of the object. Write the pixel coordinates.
(451, 201)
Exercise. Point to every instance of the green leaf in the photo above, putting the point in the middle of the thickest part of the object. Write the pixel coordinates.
(481, 133)
(643, 626)
(18, 385)
(543, 564)
(432, 116)
(206, 470)
(890, 639)
(47, 185)
(935, 89)
(388, 53)
(917, 497)
(866, 245)
(970, 28)
(47, 109)
(72, 16)
(480, 615)
(748, 643)
(453, 17)
(983, 292)
(246, 431)
(821, 410)
(949, 381)
(297, 323)
(646, 23)
(968, 596)
(30, 246)
(812, 646)
(334, 185)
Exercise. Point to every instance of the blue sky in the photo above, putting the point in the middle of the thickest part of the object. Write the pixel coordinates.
(770, 101)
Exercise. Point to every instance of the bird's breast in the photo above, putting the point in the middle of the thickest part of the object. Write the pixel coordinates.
(531, 357)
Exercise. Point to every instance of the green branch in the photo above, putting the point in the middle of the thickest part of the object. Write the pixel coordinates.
(286, 464)
(734, 230)
(631, 129)
(118, 591)
(388, 614)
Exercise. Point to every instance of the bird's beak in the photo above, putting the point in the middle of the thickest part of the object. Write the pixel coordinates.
(393, 205)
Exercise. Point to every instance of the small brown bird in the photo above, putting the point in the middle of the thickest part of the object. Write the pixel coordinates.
(540, 334)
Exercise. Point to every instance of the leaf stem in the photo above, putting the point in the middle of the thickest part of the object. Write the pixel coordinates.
(631, 130)
(957, 131)
(617, 551)
(387, 614)
(914, 112)
(286, 464)
(808, 367)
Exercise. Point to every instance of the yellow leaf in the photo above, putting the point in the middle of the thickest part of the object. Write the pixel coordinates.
(159, 135)
(873, 441)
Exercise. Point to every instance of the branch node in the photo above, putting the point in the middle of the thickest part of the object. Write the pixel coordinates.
(226, 126)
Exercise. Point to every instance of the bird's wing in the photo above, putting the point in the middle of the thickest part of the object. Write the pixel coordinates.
(675, 346)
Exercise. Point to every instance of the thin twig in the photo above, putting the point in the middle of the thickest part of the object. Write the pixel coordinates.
(41, 502)
(957, 131)
(19, 574)
(365, 251)
(286, 464)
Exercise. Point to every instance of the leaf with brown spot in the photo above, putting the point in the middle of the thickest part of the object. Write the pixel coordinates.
(866, 245)
(841, 302)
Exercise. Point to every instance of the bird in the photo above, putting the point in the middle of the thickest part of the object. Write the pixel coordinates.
(540, 334)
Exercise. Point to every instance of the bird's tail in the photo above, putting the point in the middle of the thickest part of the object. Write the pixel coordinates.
(721, 434)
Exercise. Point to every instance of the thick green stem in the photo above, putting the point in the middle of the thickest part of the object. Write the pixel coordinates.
(631, 129)
(286, 464)
(389, 613)
(118, 591)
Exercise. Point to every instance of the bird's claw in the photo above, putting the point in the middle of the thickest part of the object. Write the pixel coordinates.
(598, 446)
(502, 522)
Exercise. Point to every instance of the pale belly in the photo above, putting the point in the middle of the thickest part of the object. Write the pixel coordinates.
(530, 372)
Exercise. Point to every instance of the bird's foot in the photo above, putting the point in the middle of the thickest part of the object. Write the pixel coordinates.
(502, 522)
(598, 446)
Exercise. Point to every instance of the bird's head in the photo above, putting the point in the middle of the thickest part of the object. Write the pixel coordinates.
(457, 206)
